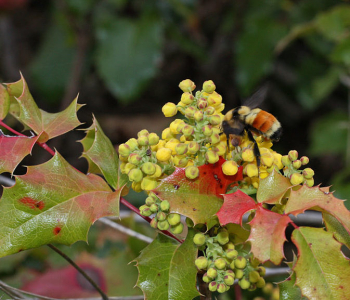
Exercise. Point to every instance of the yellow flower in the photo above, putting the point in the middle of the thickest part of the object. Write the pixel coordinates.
(169, 109)
(149, 183)
(167, 134)
(214, 99)
(252, 170)
(174, 126)
(163, 154)
(171, 144)
(229, 167)
(248, 155)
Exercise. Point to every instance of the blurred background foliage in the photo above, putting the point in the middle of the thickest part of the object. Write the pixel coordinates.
(126, 58)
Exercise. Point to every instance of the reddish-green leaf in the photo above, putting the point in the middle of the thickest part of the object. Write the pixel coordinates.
(48, 125)
(4, 102)
(322, 271)
(234, 207)
(288, 289)
(167, 269)
(13, 149)
(318, 199)
(53, 202)
(272, 188)
(15, 90)
(101, 155)
(197, 199)
(267, 235)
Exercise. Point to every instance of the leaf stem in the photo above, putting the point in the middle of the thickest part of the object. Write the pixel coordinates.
(80, 270)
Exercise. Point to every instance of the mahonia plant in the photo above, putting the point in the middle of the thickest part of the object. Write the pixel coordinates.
(220, 216)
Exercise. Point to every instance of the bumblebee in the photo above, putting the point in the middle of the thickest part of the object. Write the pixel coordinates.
(248, 119)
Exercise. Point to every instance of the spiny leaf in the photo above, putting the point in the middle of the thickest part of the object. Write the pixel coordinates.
(197, 199)
(322, 271)
(234, 207)
(167, 270)
(53, 202)
(267, 235)
(101, 155)
(272, 188)
(13, 149)
(318, 199)
(4, 102)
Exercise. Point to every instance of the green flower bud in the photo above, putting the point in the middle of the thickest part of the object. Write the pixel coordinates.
(150, 200)
(187, 85)
(135, 159)
(193, 147)
(143, 132)
(142, 140)
(199, 239)
(309, 182)
(296, 164)
(189, 112)
(174, 219)
(214, 139)
(202, 103)
(308, 173)
(124, 149)
(240, 262)
(231, 253)
(187, 130)
(285, 160)
(201, 263)
(221, 288)
(215, 120)
(220, 263)
(209, 86)
(148, 168)
(212, 286)
(304, 160)
(229, 279)
(181, 148)
(153, 139)
(145, 210)
(191, 172)
(163, 225)
(206, 278)
(198, 115)
(296, 178)
(154, 223)
(165, 205)
(177, 229)
(260, 283)
(187, 98)
(293, 155)
(210, 110)
(212, 273)
(261, 270)
(161, 216)
(154, 208)
(133, 144)
(253, 276)
(212, 157)
(223, 237)
(244, 284)
(239, 273)
(135, 175)
(254, 262)
(128, 167)
(189, 223)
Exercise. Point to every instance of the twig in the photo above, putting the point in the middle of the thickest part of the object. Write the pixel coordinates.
(15, 294)
(103, 295)
(126, 230)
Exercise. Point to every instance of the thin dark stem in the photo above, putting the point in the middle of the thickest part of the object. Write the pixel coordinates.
(238, 292)
(81, 271)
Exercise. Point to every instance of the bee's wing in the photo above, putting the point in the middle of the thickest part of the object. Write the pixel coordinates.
(257, 98)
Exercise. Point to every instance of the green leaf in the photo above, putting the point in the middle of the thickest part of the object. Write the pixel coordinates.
(341, 53)
(333, 225)
(324, 85)
(167, 269)
(53, 202)
(4, 102)
(102, 157)
(322, 271)
(13, 149)
(288, 289)
(127, 54)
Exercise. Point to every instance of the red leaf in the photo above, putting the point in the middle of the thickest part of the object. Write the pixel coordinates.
(267, 235)
(197, 199)
(234, 207)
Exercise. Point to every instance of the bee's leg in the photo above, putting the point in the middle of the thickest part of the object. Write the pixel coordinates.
(256, 150)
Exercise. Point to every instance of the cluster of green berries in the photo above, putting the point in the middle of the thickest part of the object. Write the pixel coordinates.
(196, 139)
(163, 220)
(223, 262)
(292, 169)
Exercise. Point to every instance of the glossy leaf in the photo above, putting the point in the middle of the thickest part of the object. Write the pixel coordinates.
(167, 269)
(318, 199)
(13, 149)
(4, 102)
(101, 155)
(267, 235)
(234, 207)
(53, 202)
(198, 199)
(288, 289)
(272, 188)
(322, 271)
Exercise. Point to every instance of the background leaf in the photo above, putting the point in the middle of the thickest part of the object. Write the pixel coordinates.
(4, 102)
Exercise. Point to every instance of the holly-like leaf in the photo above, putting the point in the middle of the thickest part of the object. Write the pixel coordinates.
(267, 235)
(290, 291)
(333, 225)
(197, 199)
(322, 271)
(272, 188)
(318, 199)
(4, 102)
(101, 155)
(48, 125)
(53, 202)
(234, 207)
(167, 269)
(13, 149)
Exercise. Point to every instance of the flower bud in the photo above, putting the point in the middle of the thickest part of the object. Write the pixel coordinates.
(229, 167)
(150, 200)
(149, 184)
(285, 160)
(260, 283)
(154, 207)
(308, 173)
(215, 120)
(191, 172)
(177, 229)
(267, 159)
(163, 154)
(209, 86)
(181, 148)
(143, 132)
(128, 167)
(165, 205)
(240, 262)
(221, 288)
(148, 168)
(198, 115)
(202, 103)
(187, 85)
(169, 109)
(187, 98)
(261, 270)
(207, 130)
(124, 149)
(248, 155)
(252, 170)
(167, 134)
(304, 160)
(214, 139)
(199, 239)
(153, 139)
(174, 219)
(309, 182)
(220, 263)
(189, 112)
(212, 157)
(157, 173)
(201, 263)
(296, 164)
(206, 278)
(244, 284)
(187, 130)
(145, 211)
(229, 279)
(132, 143)
(253, 276)
(296, 178)
(223, 237)
(161, 216)
(212, 273)
(231, 253)
(163, 225)
(135, 175)
(238, 273)
(254, 262)
(135, 159)
(136, 186)
(154, 223)
(214, 99)
(293, 155)
(210, 110)
(193, 147)
(212, 286)
(180, 161)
